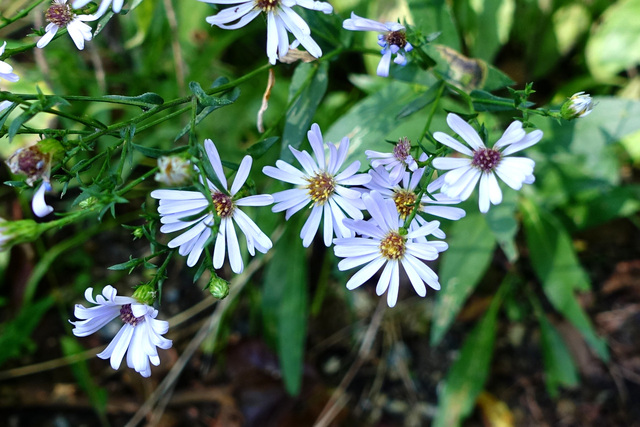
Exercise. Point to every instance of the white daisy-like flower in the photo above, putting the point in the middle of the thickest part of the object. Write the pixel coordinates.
(397, 162)
(139, 337)
(393, 40)
(177, 205)
(405, 195)
(321, 184)
(483, 164)
(384, 244)
(280, 19)
(60, 15)
(6, 70)
(104, 5)
(579, 105)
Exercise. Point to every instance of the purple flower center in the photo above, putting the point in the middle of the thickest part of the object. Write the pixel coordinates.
(59, 14)
(398, 38)
(267, 5)
(223, 204)
(321, 187)
(486, 159)
(393, 246)
(127, 315)
(402, 149)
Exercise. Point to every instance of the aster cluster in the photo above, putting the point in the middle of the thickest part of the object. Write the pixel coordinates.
(381, 219)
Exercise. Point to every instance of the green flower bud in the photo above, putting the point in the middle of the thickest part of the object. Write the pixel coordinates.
(138, 233)
(218, 287)
(145, 294)
(579, 105)
(14, 232)
(88, 202)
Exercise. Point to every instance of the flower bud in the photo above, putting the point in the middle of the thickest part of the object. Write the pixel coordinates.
(579, 105)
(145, 294)
(14, 232)
(218, 287)
(173, 171)
(88, 203)
(138, 233)
(35, 161)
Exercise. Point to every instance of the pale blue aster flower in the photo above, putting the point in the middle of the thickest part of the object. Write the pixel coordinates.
(393, 40)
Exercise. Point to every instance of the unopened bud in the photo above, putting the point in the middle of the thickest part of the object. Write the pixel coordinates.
(14, 232)
(88, 202)
(35, 161)
(173, 171)
(218, 287)
(145, 294)
(579, 105)
(138, 233)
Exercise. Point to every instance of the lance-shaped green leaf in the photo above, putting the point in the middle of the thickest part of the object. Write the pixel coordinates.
(97, 395)
(471, 246)
(467, 376)
(145, 101)
(556, 265)
(285, 306)
(14, 335)
(259, 148)
(155, 153)
(559, 368)
(308, 86)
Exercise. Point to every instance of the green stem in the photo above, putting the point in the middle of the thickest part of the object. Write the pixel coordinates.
(434, 106)
(136, 181)
(24, 12)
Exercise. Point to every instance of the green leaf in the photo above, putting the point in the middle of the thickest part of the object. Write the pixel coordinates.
(558, 364)
(435, 15)
(614, 46)
(258, 149)
(486, 25)
(467, 376)
(155, 153)
(144, 101)
(421, 102)
(501, 220)
(207, 100)
(556, 265)
(310, 81)
(370, 120)
(15, 335)
(285, 306)
(485, 101)
(97, 395)
(471, 246)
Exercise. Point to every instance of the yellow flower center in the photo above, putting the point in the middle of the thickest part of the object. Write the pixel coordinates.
(223, 204)
(405, 201)
(321, 187)
(393, 246)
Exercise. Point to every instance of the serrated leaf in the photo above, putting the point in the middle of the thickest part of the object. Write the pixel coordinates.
(555, 263)
(471, 245)
(468, 374)
(285, 306)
